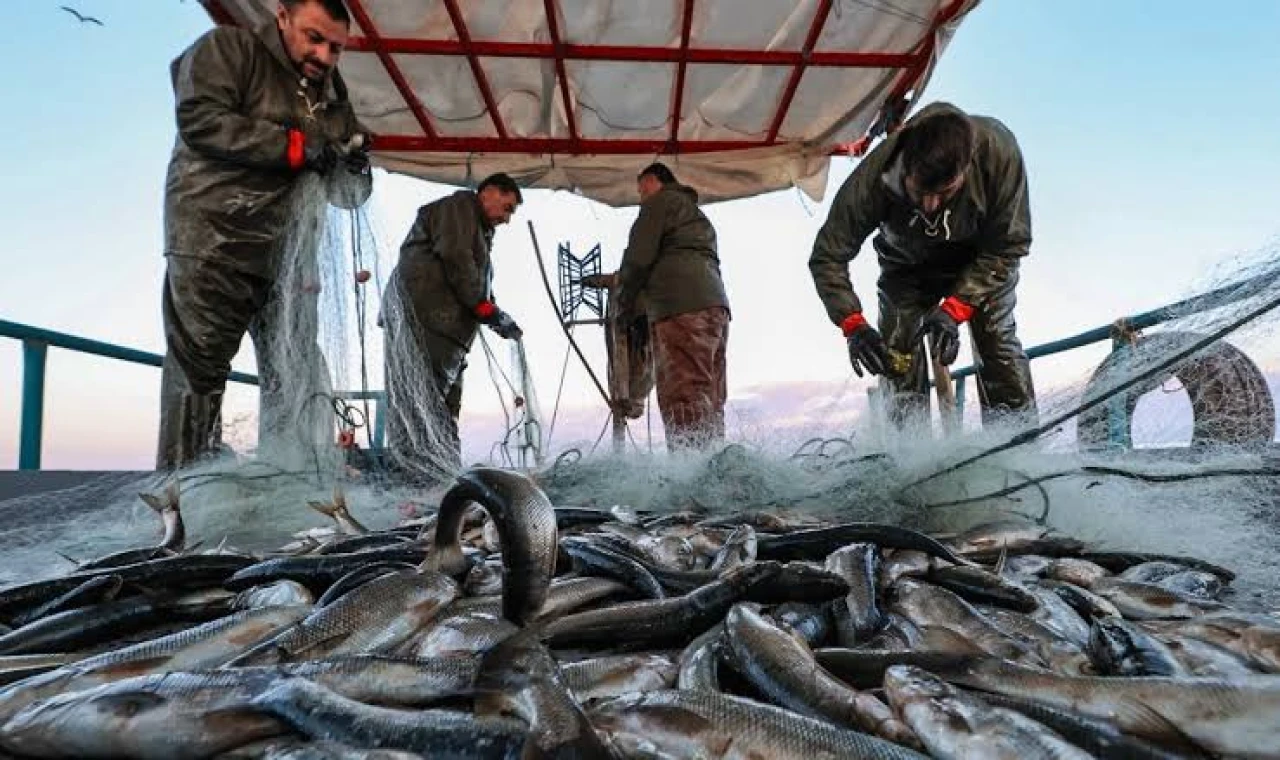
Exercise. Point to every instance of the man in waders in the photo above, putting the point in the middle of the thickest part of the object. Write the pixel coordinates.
(948, 193)
(256, 111)
(669, 289)
(438, 296)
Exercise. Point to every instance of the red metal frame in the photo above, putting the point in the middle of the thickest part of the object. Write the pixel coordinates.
(393, 70)
(815, 29)
(553, 26)
(913, 66)
(677, 90)
(482, 81)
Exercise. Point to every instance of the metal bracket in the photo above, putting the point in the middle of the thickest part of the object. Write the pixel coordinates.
(573, 295)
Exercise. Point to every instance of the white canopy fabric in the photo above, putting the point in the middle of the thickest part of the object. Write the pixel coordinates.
(738, 97)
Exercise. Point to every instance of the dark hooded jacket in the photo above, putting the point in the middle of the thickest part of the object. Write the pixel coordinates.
(227, 193)
(445, 270)
(973, 245)
(670, 266)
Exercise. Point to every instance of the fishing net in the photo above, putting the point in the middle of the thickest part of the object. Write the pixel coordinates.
(1162, 444)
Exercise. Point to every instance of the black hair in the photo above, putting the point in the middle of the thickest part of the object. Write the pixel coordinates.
(335, 8)
(658, 171)
(937, 148)
(503, 182)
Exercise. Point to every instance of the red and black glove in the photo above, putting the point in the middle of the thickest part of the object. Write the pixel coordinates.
(942, 327)
(498, 320)
(866, 346)
(311, 152)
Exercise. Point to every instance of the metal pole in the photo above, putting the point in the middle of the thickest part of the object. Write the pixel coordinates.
(34, 354)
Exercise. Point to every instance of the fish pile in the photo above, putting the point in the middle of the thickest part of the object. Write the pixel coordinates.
(500, 626)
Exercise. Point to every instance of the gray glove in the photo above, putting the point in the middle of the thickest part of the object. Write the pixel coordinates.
(506, 327)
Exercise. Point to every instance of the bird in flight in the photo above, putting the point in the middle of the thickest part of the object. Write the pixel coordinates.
(82, 19)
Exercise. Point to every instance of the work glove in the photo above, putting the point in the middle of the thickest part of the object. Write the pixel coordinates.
(866, 346)
(322, 155)
(355, 158)
(942, 327)
(506, 327)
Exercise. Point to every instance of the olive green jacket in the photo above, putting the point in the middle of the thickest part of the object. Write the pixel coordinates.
(975, 242)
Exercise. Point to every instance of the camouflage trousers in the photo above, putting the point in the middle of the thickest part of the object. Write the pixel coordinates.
(689, 358)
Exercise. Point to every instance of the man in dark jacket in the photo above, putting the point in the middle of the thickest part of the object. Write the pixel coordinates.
(439, 294)
(255, 110)
(949, 196)
(669, 278)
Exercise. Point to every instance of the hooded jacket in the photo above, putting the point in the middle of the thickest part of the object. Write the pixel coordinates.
(227, 193)
(973, 245)
(445, 270)
(670, 266)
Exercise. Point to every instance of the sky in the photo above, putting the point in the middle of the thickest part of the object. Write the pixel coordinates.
(1151, 133)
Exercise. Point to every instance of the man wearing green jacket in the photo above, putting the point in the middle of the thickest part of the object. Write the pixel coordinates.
(438, 296)
(948, 194)
(256, 110)
(669, 278)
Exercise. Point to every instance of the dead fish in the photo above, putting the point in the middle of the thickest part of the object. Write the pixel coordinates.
(1097, 737)
(375, 617)
(1088, 605)
(161, 716)
(953, 724)
(1119, 648)
(388, 681)
(484, 579)
(101, 589)
(699, 661)
(1058, 616)
(1193, 583)
(1078, 572)
(604, 677)
(988, 540)
(336, 510)
(526, 523)
(93, 625)
(1061, 655)
(714, 726)
(857, 615)
(174, 540)
(1151, 572)
(205, 646)
(901, 564)
(319, 572)
(292, 748)
(19, 667)
(319, 713)
(981, 586)
(278, 594)
(1027, 565)
(520, 677)
(1118, 562)
(738, 549)
(594, 559)
(927, 605)
(358, 577)
(1235, 718)
(660, 622)
(810, 622)
(1200, 658)
(466, 633)
(783, 668)
(1254, 637)
(817, 543)
(1144, 601)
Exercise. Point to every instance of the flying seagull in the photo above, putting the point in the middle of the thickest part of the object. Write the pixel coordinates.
(83, 19)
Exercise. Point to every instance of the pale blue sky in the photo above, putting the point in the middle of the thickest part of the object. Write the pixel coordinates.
(1151, 131)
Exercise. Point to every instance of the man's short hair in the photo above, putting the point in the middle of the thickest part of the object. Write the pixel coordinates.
(335, 8)
(503, 182)
(937, 148)
(658, 171)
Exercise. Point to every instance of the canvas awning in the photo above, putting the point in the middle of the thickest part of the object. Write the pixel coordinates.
(739, 97)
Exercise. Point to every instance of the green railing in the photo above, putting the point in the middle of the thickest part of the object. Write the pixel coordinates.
(1196, 304)
(36, 343)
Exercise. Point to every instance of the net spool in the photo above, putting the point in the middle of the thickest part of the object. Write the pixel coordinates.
(1231, 402)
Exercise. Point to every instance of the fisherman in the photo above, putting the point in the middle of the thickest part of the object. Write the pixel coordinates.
(256, 111)
(669, 287)
(437, 297)
(949, 195)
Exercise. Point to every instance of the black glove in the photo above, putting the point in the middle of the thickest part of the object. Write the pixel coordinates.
(866, 349)
(506, 327)
(943, 332)
(322, 155)
(356, 160)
